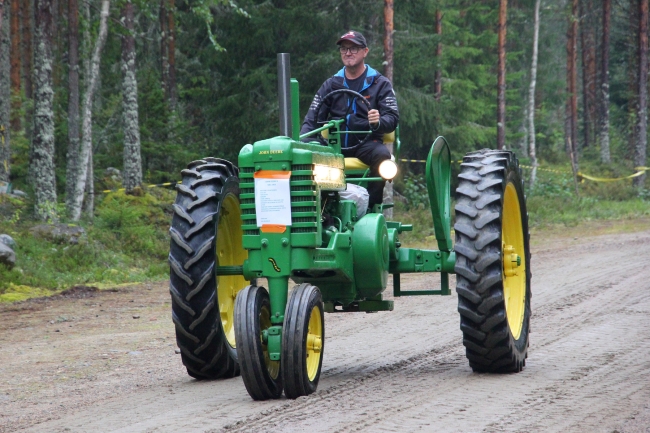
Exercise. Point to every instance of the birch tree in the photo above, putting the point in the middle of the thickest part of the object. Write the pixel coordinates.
(571, 114)
(86, 124)
(5, 90)
(603, 132)
(15, 65)
(132, 173)
(73, 101)
(501, 75)
(640, 149)
(531, 96)
(42, 151)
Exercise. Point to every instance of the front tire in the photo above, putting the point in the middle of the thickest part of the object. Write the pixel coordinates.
(206, 233)
(303, 341)
(493, 261)
(252, 317)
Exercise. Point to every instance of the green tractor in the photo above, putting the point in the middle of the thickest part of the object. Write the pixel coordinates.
(279, 214)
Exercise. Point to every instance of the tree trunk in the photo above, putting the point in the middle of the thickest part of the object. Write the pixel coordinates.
(42, 152)
(132, 172)
(437, 85)
(89, 196)
(26, 12)
(15, 65)
(501, 76)
(604, 84)
(164, 49)
(86, 126)
(73, 101)
(571, 119)
(5, 91)
(640, 150)
(388, 72)
(588, 42)
(173, 94)
(532, 150)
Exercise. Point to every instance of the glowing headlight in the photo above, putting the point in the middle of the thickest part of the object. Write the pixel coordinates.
(388, 169)
(323, 173)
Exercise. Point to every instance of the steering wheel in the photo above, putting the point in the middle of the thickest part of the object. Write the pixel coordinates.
(356, 95)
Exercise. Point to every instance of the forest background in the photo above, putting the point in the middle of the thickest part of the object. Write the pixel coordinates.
(161, 83)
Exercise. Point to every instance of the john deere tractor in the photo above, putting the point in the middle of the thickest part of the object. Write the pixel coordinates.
(281, 214)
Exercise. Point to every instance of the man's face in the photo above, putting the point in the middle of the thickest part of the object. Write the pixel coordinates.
(349, 58)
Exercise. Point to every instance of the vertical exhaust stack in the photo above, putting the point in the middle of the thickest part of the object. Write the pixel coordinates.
(284, 93)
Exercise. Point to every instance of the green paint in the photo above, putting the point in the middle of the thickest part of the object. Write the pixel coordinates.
(348, 258)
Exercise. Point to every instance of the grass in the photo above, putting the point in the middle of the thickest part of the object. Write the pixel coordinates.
(126, 243)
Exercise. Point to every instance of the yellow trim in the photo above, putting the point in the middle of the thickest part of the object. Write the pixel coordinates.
(230, 252)
(389, 138)
(355, 164)
(314, 343)
(514, 263)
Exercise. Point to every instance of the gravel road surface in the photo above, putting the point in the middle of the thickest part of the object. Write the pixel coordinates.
(91, 361)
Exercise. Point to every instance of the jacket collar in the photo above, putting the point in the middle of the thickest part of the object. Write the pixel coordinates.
(370, 76)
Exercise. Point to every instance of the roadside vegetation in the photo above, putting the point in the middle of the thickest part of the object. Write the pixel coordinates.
(127, 241)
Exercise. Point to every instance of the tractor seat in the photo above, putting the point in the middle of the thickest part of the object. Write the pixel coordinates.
(356, 164)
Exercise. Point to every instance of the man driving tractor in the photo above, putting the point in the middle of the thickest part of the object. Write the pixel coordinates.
(382, 118)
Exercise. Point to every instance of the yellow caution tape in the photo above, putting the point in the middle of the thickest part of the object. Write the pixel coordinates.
(639, 172)
(606, 179)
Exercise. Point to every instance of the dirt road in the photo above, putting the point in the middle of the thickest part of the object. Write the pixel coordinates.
(106, 362)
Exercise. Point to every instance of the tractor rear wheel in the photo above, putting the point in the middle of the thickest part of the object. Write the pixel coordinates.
(206, 233)
(303, 340)
(493, 261)
(252, 317)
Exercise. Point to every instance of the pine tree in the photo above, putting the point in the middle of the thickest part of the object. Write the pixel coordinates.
(5, 91)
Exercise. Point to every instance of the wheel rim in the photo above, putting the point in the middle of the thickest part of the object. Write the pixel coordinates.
(514, 263)
(314, 343)
(230, 252)
(273, 367)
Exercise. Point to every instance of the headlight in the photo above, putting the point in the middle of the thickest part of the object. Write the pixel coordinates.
(388, 169)
(323, 173)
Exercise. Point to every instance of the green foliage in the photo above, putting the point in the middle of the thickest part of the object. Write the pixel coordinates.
(127, 243)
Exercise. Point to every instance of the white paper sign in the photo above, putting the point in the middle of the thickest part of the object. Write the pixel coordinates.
(273, 201)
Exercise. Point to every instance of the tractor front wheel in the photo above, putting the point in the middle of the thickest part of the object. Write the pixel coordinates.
(303, 340)
(493, 261)
(253, 317)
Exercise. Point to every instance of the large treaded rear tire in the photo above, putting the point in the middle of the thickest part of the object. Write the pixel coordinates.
(198, 211)
(490, 191)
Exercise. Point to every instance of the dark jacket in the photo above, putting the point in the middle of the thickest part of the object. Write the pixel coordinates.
(378, 91)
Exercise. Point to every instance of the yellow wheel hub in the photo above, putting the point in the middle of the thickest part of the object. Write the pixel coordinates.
(314, 342)
(273, 367)
(514, 265)
(230, 252)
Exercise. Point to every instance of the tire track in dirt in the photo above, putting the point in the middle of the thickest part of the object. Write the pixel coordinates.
(581, 322)
(588, 370)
